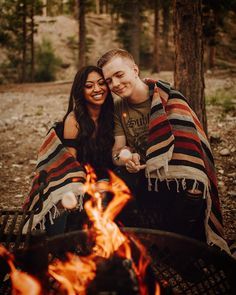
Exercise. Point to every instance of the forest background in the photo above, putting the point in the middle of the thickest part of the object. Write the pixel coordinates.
(191, 44)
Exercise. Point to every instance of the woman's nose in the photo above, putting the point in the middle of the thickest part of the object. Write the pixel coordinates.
(97, 87)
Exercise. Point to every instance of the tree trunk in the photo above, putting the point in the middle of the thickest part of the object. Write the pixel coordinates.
(44, 8)
(166, 22)
(97, 2)
(82, 33)
(189, 74)
(135, 30)
(24, 42)
(211, 56)
(156, 50)
(32, 61)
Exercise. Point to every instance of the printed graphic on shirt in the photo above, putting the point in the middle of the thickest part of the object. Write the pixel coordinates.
(137, 129)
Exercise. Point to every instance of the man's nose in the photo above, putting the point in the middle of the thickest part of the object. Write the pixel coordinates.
(115, 82)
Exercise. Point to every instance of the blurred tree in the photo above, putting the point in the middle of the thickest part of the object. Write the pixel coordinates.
(214, 14)
(82, 33)
(129, 28)
(166, 10)
(17, 37)
(189, 74)
(156, 49)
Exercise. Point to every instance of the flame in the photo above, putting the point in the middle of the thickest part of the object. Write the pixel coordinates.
(22, 283)
(76, 273)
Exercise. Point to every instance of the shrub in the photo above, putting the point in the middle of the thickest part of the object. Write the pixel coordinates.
(46, 62)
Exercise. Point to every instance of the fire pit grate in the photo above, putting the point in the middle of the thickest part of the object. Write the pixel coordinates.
(184, 265)
(187, 266)
(11, 225)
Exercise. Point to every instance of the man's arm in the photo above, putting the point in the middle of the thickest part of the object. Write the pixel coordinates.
(120, 143)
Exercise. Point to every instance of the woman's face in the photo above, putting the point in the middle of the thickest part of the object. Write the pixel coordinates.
(95, 89)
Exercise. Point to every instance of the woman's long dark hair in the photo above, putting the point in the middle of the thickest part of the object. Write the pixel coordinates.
(95, 150)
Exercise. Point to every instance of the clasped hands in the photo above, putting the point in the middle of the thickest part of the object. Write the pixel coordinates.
(133, 165)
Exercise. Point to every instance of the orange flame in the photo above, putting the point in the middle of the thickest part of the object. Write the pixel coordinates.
(75, 274)
(22, 283)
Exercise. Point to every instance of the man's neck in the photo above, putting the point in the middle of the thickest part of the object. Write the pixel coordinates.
(140, 93)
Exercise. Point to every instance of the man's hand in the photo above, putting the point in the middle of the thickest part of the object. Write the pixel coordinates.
(133, 165)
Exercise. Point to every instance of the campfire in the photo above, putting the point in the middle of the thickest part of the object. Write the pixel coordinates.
(111, 251)
(106, 259)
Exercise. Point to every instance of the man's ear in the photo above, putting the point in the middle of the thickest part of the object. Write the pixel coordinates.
(136, 70)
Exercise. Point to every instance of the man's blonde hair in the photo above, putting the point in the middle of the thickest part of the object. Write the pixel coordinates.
(117, 52)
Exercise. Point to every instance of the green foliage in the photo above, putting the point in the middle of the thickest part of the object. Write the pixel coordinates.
(46, 63)
(15, 33)
(225, 98)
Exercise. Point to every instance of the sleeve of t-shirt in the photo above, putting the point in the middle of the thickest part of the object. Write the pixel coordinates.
(118, 128)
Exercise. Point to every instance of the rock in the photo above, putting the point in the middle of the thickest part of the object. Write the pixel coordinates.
(225, 152)
(215, 138)
(32, 162)
(221, 184)
(221, 171)
(233, 149)
(17, 179)
(16, 166)
(232, 174)
(232, 193)
(18, 196)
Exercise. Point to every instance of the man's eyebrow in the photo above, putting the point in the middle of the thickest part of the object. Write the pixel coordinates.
(114, 75)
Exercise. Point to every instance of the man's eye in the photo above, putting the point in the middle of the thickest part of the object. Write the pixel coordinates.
(120, 75)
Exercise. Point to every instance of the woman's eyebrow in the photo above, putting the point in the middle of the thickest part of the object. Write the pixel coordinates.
(94, 81)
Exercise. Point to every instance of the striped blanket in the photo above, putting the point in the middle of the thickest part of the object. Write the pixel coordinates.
(61, 173)
(179, 149)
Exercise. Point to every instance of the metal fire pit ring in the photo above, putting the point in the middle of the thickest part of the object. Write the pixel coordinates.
(187, 265)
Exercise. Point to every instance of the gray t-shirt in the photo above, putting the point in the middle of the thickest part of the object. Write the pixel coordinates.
(132, 120)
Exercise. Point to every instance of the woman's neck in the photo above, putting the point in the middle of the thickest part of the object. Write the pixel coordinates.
(94, 112)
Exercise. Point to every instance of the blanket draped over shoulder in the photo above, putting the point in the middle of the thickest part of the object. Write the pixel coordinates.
(61, 173)
(179, 149)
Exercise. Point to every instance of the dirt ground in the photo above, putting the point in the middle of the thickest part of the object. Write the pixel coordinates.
(27, 111)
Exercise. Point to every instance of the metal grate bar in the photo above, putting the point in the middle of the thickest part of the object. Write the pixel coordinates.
(3, 225)
(28, 234)
(11, 229)
(19, 234)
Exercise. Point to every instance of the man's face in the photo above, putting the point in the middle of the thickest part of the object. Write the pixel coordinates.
(121, 76)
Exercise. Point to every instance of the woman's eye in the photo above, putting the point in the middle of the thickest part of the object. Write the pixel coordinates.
(88, 86)
(101, 82)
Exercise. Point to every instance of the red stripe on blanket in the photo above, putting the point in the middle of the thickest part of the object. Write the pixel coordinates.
(157, 120)
(46, 142)
(158, 133)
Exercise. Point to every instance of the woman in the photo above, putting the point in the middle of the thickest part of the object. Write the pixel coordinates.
(85, 136)
(88, 123)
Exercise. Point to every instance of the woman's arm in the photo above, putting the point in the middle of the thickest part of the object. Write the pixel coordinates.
(71, 130)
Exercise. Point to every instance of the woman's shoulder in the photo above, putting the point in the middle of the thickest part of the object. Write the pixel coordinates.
(71, 126)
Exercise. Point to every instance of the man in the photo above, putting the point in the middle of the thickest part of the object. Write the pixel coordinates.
(171, 170)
